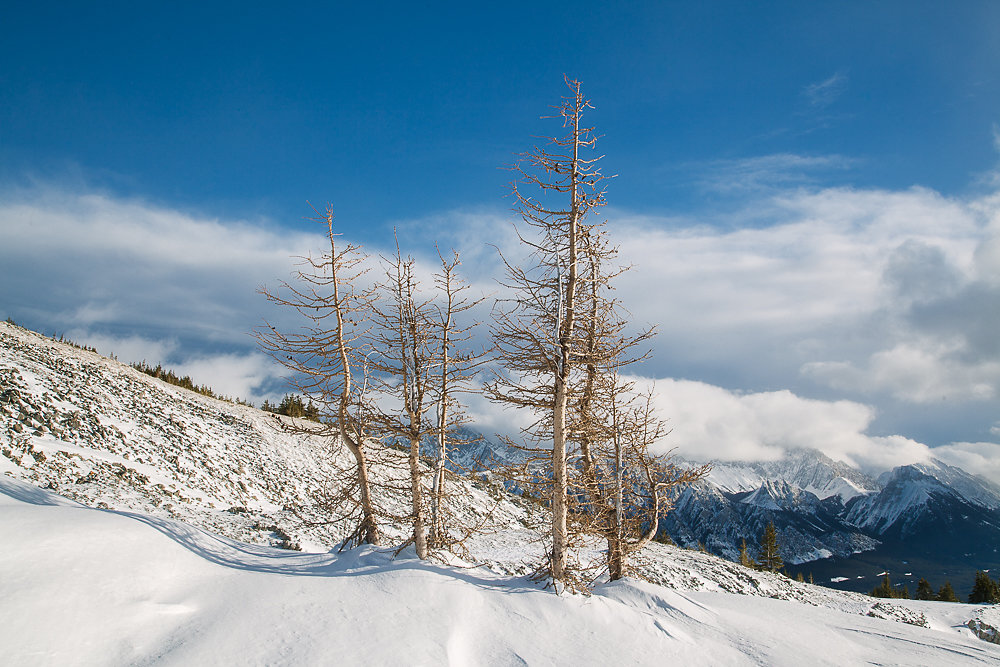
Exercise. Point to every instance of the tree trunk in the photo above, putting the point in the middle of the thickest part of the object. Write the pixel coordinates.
(616, 560)
(416, 493)
(565, 326)
(369, 525)
(560, 509)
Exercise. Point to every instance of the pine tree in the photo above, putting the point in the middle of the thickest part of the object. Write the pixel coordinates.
(745, 559)
(984, 590)
(770, 558)
(887, 590)
(947, 593)
(884, 589)
(924, 590)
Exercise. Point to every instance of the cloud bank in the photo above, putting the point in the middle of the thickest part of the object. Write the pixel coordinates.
(859, 322)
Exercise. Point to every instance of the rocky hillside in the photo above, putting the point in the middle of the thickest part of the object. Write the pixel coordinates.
(105, 435)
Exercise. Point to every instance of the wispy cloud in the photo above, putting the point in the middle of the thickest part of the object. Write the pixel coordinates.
(766, 173)
(823, 93)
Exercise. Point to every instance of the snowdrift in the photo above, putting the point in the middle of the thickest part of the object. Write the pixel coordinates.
(91, 587)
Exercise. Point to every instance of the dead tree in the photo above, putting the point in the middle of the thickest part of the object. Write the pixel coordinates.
(421, 367)
(626, 487)
(536, 332)
(621, 487)
(404, 351)
(562, 341)
(455, 364)
(324, 358)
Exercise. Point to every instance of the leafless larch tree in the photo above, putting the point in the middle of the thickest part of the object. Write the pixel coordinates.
(561, 340)
(327, 362)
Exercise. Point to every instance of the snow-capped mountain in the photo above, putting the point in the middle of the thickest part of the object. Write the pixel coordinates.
(808, 470)
(938, 515)
(809, 528)
(910, 492)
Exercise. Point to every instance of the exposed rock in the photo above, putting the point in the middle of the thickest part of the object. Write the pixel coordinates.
(984, 631)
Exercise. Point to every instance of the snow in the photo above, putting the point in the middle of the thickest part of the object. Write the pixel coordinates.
(177, 567)
(734, 478)
(91, 587)
(839, 486)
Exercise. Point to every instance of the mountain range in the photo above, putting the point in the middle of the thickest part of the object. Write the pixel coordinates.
(843, 526)
(836, 522)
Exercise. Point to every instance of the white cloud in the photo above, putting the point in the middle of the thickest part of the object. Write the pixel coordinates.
(231, 375)
(89, 260)
(914, 372)
(859, 294)
(127, 349)
(710, 422)
(831, 286)
(980, 458)
(766, 172)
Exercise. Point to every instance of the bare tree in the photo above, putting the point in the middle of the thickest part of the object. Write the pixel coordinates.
(563, 341)
(455, 364)
(402, 339)
(537, 332)
(622, 487)
(324, 358)
(625, 487)
(422, 365)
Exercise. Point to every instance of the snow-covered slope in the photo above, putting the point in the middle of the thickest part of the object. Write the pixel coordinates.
(107, 435)
(90, 587)
(103, 434)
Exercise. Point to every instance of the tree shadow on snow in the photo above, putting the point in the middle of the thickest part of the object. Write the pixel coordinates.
(256, 558)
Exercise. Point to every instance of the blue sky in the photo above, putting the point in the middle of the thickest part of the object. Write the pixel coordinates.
(244, 109)
(811, 186)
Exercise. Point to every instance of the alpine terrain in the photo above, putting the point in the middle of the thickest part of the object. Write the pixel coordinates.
(146, 523)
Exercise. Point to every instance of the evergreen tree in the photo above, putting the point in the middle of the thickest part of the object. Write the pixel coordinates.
(984, 590)
(887, 590)
(770, 558)
(924, 590)
(745, 559)
(884, 589)
(947, 593)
